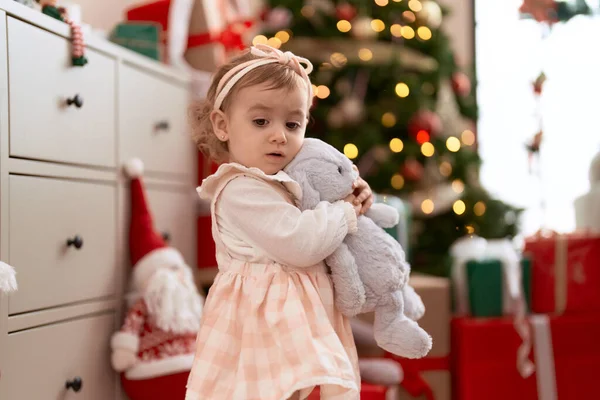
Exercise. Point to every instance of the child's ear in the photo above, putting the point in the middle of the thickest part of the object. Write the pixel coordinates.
(219, 124)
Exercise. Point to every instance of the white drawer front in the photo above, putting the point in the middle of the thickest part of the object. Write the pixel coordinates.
(153, 122)
(44, 214)
(41, 80)
(39, 362)
(174, 215)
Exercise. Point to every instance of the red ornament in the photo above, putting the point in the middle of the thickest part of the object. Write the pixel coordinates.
(345, 11)
(461, 84)
(412, 170)
(540, 10)
(425, 120)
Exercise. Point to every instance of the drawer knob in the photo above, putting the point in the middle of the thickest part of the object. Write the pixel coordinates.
(77, 100)
(76, 241)
(166, 236)
(162, 126)
(74, 384)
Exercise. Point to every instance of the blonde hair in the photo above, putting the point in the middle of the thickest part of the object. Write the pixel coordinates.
(279, 76)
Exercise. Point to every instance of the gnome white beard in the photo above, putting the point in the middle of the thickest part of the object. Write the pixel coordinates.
(173, 303)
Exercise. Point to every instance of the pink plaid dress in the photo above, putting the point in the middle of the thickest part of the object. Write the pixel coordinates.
(269, 330)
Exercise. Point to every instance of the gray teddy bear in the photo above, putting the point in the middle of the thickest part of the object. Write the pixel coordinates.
(369, 270)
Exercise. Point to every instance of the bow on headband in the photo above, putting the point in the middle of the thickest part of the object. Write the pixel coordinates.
(266, 55)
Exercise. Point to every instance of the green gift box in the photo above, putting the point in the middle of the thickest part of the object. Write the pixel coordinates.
(401, 231)
(144, 38)
(486, 287)
(490, 278)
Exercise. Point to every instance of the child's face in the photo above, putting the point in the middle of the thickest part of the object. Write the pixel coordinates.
(265, 127)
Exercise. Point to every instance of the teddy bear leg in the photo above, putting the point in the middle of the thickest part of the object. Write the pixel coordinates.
(413, 304)
(396, 333)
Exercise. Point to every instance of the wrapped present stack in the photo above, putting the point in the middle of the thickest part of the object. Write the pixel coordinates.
(145, 38)
(526, 325)
(428, 378)
(199, 34)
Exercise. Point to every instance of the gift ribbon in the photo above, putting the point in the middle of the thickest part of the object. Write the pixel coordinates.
(413, 381)
(544, 357)
(231, 37)
(513, 301)
(561, 252)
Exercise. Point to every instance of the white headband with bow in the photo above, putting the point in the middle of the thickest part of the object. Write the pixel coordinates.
(266, 55)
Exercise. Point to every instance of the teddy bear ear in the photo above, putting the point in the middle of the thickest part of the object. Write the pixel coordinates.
(310, 196)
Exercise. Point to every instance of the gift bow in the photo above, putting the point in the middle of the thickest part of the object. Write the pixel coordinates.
(476, 248)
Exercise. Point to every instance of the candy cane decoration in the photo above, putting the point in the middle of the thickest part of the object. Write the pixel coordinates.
(78, 57)
(49, 8)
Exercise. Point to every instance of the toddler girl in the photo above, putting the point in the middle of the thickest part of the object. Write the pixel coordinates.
(269, 329)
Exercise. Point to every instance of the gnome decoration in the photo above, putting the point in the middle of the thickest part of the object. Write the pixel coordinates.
(8, 282)
(155, 347)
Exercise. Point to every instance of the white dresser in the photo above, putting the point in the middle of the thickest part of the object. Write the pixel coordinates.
(65, 133)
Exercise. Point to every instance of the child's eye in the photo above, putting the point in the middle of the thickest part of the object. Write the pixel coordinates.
(293, 125)
(260, 122)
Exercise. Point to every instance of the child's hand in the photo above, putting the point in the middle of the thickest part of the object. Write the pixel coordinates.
(364, 195)
(352, 200)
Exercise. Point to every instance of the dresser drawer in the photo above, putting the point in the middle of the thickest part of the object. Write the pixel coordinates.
(44, 215)
(153, 122)
(38, 363)
(41, 80)
(173, 213)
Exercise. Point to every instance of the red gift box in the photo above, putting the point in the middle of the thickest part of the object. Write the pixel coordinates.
(565, 273)
(566, 351)
(206, 245)
(367, 392)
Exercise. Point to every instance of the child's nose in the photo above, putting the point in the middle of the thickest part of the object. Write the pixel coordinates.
(279, 135)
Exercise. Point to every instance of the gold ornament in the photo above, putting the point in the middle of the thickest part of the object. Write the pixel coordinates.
(430, 15)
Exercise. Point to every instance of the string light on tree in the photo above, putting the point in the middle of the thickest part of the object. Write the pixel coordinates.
(415, 5)
(445, 168)
(338, 60)
(307, 11)
(409, 16)
(402, 89)
(470, 229)
(274, 42)
(427, 149)
(396, 30)
(381, 3)
(479, 208)
(377, 25)
(468, 137)
(458, 186)
(315, 90)
(259, 39)
(397, 181)
(388, 120)
(423, 136)
(459, 207)
(424, 33)
(427, 206)
(396, 145)
(351, 151)
(365, 54)
(344, 26)
(430, 14)
(453, 144)
(323, 91)
(408, 32)
(284, 36)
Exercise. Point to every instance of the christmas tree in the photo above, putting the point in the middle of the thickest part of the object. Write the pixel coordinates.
(390, 95)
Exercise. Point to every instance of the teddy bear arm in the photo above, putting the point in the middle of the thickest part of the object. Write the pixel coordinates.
(349, 288)
(383, 215)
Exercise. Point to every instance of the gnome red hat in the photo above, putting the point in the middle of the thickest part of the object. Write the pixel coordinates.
(147, 249)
